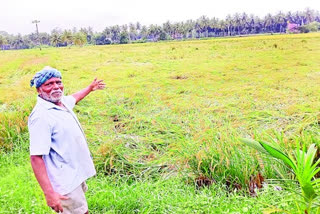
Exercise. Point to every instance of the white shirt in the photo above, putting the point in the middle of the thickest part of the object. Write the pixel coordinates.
(56, 134)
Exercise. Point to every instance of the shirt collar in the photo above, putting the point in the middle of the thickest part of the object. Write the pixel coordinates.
(47, 104)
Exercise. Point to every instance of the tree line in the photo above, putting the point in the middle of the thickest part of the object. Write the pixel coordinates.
(233, 25)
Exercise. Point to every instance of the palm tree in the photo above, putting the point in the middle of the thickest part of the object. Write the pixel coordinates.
(132, 31)
(214, 26)
(143, 32)
(268, 23)
(45, 38)
(55, 39)
(80, 39)
(3, 41)
(223, 28)
(115, 33)
(204, 24)
(245, 23)
(309, 14)
(281, 22)
(154, 32)
(168, 28)
(229, 24)
(237, 22)
(67, 37)
(189, 27)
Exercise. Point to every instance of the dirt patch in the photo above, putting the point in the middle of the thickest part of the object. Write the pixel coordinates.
(179, 77)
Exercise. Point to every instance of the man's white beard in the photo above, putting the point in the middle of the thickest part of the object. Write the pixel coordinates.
(55, 96)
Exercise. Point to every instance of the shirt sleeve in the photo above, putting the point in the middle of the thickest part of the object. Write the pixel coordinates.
(70, 101)
(40, 135)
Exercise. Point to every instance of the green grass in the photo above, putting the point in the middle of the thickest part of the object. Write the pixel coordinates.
(171, 112)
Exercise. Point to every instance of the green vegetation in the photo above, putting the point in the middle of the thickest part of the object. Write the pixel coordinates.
(303, 165)
(165, 132)
(204, 27)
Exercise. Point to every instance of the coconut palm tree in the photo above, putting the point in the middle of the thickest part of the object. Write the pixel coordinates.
(154, 32)
(67, 37)
(132, 31)
(268, 23)
(229, 23)
(115, 33)
(80, 39)
(168, 28)
(245, 23)
(55, 39)
(204, 24)
(237, 22)
(3, 41)
(281, 22)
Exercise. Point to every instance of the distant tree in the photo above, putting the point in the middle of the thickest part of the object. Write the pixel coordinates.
(138, 26)
(3, 41)
(88, 32)
(237, 22)
(230, 25)
(281, 22)
(67, 37)
(132, 32)
(310, 15)
(222, 28)
(45, 38)
(55, 39)
(268, 23)
(245, 23)
(189, 27)
(80, 39)
(27, 43)
(124, 37)
(154, 32)
(168, 28)
(233, 24)
(115, 33)
(163, 35)
(107, 32)
(143, 32)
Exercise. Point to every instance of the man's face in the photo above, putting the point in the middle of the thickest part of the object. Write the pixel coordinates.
(51, 90)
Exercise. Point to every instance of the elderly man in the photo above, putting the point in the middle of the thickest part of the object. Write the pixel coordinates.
(60, 157)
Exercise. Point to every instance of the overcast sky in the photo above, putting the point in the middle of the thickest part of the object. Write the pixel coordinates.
(16, 15)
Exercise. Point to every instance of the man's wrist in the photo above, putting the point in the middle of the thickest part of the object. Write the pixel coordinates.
(90, 88)
(48, 192)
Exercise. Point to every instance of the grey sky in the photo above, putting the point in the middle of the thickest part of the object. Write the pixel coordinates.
(16, 15)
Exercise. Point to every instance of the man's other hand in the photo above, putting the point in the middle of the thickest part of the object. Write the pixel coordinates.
(53, 201)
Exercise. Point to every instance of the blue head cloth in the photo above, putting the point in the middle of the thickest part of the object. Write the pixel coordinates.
(43, 75)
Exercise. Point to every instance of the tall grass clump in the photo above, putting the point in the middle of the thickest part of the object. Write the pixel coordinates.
(13, 126)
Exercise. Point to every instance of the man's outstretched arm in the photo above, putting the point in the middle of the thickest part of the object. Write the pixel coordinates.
(53, 198)
(95, 85)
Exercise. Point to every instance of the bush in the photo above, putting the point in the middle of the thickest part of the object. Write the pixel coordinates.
(311, 27)
(303, 29)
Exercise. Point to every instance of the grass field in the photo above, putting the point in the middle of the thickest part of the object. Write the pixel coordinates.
(172, 113)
